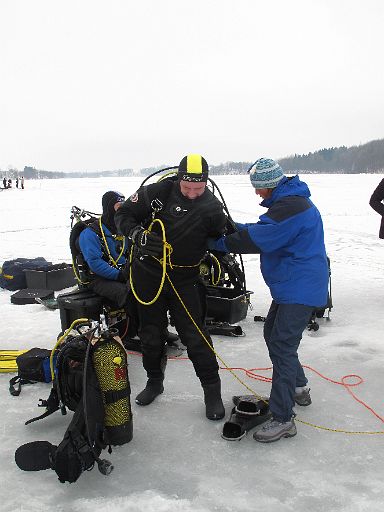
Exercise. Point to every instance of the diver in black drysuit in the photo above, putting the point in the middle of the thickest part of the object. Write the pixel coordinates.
(188, 224)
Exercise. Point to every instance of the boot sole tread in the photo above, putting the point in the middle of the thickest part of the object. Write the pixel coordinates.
(286, 434)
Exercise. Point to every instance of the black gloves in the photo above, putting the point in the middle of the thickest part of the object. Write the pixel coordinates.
(148, 243)
(123, 275)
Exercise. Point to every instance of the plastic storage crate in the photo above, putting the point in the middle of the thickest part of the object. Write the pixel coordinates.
(55, 279)
(79, 304)
(226, 305)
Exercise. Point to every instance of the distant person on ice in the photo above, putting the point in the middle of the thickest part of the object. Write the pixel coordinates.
(290, 240)
(190, 214)
(4, 182)
(376, 202)
(22, 182)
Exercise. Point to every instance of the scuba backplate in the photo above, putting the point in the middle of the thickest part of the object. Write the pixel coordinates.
(226, 295)
(80, 220)
(91, 379)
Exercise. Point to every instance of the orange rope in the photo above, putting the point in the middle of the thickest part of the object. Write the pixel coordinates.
(343, 382)
(250, 372)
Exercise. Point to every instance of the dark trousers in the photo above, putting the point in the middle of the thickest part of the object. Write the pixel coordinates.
(113, 290)
(283, 330)
(153, 320)
(119, 294)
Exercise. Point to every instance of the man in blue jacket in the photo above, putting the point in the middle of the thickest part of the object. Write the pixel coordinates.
(290, 240)
(103, 256)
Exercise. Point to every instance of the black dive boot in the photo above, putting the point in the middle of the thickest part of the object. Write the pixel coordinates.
(170, 338)
(153, 388)
(214, 408)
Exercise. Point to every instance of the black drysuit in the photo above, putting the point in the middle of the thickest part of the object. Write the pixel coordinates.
(188, 224)
(376, 203)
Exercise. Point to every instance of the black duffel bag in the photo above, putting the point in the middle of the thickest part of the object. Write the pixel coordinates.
(12, 275)
(33, 366)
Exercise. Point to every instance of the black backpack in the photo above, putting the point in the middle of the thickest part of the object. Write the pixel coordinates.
(82, 272)
(81, 268)
(33, 366)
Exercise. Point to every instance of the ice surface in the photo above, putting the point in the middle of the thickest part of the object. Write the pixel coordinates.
(177, 460)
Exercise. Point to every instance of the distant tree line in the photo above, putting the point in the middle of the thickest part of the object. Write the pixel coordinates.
(227, 168)
(230, 168)
(366, 158)
(32, 173)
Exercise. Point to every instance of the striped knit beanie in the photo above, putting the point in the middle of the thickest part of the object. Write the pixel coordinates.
(265, 173)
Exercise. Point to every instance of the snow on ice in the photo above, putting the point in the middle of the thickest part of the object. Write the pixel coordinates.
(177, 460)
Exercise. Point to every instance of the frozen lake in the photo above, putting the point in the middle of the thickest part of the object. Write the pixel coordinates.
(177, 460)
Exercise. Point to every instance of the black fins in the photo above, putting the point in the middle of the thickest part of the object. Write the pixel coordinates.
(225, 329)
(35, 456)
(249, 412)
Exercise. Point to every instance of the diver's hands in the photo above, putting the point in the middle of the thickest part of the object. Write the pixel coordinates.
(148, 243)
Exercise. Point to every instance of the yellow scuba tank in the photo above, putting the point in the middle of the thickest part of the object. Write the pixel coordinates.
(111, 367)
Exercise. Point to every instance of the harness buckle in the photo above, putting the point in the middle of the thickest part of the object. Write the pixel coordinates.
(156, 205)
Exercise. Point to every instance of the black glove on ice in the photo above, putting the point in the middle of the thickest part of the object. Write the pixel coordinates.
(148, 243)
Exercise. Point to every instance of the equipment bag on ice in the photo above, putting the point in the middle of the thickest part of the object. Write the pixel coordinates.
(32, 366)
(91, 379)
(12, 275)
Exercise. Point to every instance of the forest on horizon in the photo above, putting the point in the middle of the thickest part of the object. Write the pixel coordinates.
(365, 158)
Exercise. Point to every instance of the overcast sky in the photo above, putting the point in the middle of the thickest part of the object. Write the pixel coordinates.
(91, 84)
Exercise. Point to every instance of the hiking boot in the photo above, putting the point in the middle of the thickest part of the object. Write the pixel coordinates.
(153, 389)
(214, 408)
(273, 430)
(302, 396)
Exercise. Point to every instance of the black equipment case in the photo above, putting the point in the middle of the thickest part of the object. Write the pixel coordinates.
(226, 304)
(55, 278)
(28, 296)
(79, 304)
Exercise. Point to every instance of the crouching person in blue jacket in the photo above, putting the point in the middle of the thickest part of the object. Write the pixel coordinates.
(290, 240)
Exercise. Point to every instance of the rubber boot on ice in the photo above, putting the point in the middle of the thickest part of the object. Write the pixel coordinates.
(170, 338)
(153, 388)
(214, 408)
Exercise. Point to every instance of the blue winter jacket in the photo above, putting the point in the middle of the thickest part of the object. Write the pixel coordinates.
(290, 240)
(92, 251)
